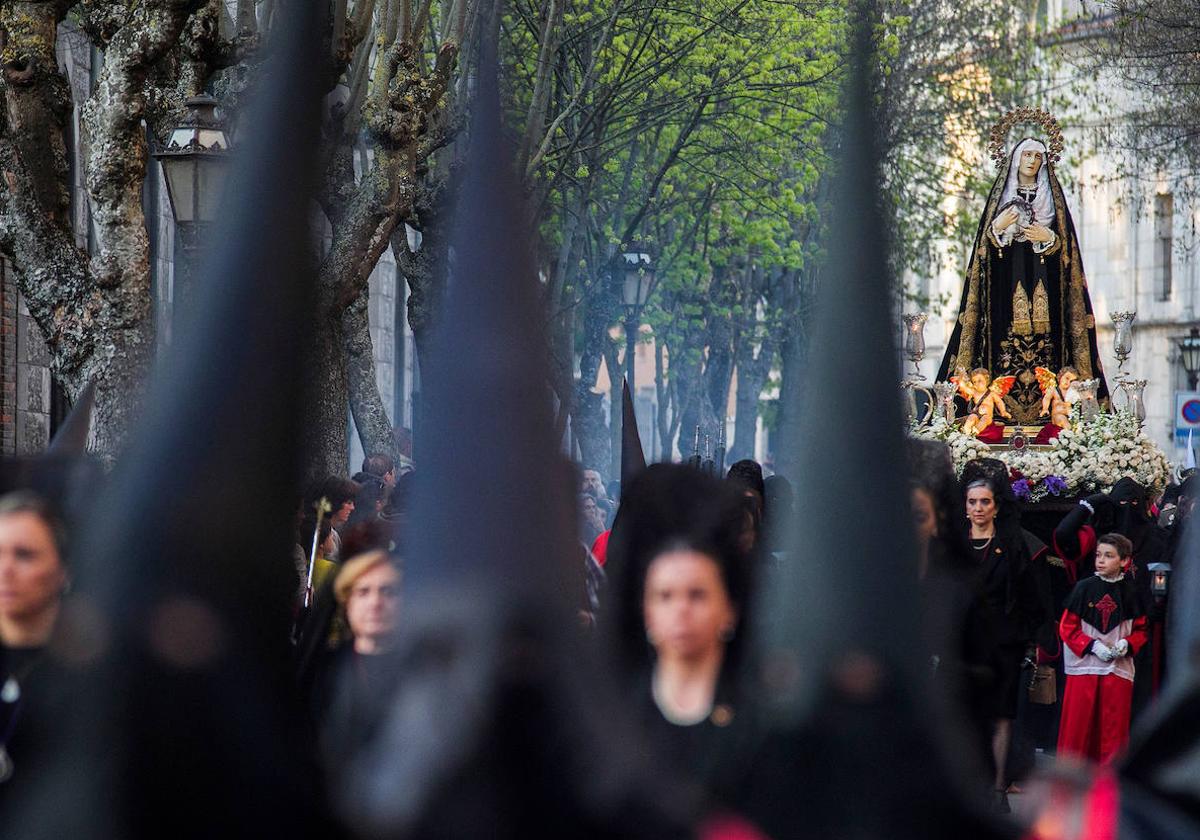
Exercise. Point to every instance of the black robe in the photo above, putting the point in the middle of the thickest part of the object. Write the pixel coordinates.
(1105, 604)
(1064, 334)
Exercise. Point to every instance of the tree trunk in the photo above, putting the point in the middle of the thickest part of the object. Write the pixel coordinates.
(426, 272)
(94, 314)
(366, 406)
(562, 354)
(752, 373)
(425, 269)
(662, 391)
(793, 357)
(615, 378)
(695, 408)
(328, 446)
(591, 431)
(718, 367)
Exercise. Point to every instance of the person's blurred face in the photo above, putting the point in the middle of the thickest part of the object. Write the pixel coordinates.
(924, 518)
(754, 499)
(32, 576)
(373, 606)
(686, 608)
(592, 484)
(981, 506)
(389, 478)
(1108, 560)
(591, 513)
(343, 513)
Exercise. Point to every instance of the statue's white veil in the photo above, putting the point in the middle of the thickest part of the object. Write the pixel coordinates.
(1043, 202)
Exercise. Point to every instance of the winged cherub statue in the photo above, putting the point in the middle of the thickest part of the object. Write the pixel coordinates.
(985, 396)
(1056, 401)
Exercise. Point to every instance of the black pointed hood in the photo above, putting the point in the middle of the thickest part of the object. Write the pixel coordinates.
(492, 730)
(633, 457)
(72, 436)
(841, 659)
(179, 719)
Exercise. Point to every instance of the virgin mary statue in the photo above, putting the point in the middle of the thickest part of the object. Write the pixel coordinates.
(1025, 302)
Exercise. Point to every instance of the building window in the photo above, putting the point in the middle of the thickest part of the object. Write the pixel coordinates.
(1164, 243)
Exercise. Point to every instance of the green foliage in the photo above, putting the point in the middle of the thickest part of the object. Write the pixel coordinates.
(710, 130)
(699, 128)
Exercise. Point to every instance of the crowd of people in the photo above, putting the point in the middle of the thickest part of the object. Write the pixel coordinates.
(1043, 643)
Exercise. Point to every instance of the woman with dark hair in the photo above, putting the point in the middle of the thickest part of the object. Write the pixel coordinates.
(958, 636)
(341, 493)
(33, 579)
(680, 593)
(1013, 594)
(368, 502)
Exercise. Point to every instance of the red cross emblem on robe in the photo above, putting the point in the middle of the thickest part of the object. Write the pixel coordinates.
(1106, 606)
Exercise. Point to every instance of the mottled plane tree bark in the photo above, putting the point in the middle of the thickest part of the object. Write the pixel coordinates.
(93, 311)
(395, 57)
(398, 101)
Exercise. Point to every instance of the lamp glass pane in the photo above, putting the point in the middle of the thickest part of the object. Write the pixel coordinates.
(211, 175)
(212, 138)
(180, 172)
(1190, 350)
(631, 293)
(182, 136)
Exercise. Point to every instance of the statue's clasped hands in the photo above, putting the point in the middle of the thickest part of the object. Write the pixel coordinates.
(1037, 233)
(1006, 218)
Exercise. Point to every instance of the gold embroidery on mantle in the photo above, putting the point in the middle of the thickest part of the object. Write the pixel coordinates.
(1021, 324)
(1041, 309)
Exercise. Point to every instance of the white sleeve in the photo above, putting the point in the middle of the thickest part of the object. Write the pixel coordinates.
(1042, 247)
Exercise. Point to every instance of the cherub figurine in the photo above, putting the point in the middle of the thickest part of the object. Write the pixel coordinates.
(1056, 400)
(985, 397)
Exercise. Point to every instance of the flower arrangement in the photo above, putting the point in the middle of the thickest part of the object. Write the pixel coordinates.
(1097, 454)
(1089, 457)
(1028, 490)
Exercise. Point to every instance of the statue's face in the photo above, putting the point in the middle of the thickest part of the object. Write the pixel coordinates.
(980, 381)
(1030, 163)
(1066, 380)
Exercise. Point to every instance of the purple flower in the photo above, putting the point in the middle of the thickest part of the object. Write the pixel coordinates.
(1055, 484)
(1020, 488)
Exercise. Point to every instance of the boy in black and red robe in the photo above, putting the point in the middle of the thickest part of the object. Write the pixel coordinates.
(1103, 626)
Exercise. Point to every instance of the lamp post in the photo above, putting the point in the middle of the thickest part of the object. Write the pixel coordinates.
(636, 271)
(1189, 354)
(194, 161)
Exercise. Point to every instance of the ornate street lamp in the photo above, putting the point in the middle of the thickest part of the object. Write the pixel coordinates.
(1189, 354)
(636, 273)
(194, 160)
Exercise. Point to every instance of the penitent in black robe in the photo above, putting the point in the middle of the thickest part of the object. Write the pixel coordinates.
(1049, 325)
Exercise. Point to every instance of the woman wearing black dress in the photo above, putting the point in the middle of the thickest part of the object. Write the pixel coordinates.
(680, 578)
(1011, 594)
(33, 579)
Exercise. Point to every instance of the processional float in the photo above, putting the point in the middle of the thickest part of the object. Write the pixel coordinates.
(1021, 378)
